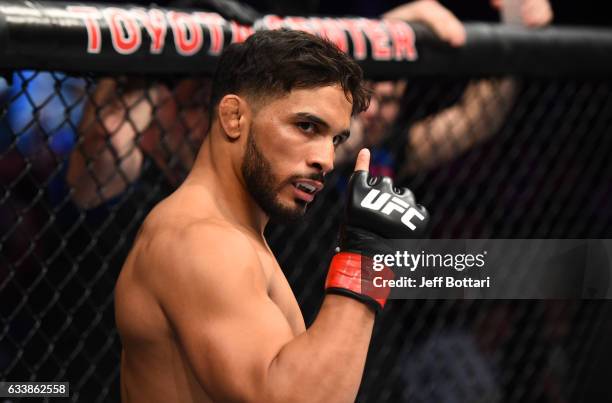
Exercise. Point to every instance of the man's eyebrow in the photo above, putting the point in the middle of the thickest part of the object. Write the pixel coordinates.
(313, 119)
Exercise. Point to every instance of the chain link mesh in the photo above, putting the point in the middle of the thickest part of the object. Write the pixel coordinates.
(520, 158)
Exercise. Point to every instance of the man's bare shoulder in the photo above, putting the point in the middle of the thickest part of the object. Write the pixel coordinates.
(179, 239)
(179, 250)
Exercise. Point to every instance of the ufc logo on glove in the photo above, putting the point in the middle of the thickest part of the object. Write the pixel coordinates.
(371, 220)
(377, 201)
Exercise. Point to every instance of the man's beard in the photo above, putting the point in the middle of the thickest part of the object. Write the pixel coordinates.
(261, 184)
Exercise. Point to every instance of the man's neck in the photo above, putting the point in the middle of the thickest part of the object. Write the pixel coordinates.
(214, 170)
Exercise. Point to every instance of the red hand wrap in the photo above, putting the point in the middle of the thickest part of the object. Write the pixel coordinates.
(355, 272)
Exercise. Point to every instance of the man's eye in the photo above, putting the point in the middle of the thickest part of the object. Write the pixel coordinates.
(339, 140)
(306, 127)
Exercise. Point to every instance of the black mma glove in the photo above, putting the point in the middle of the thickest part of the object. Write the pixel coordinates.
(375, 211)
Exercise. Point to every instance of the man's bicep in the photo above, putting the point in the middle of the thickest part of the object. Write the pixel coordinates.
(232, 355)
(225, 322)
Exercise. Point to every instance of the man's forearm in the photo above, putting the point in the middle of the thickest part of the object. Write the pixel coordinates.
(325, 363)
(480, 113)
(108, 157)
(96, 174)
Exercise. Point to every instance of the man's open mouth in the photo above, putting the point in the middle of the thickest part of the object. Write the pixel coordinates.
(307, 189)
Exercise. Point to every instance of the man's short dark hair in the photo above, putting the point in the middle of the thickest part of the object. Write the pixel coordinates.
(272, 63)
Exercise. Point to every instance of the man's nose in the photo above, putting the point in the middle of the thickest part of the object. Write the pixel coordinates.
(322, 156)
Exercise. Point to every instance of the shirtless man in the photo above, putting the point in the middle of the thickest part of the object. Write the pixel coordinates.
(203, 309)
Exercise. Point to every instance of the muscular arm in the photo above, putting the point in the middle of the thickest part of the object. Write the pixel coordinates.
(107, 159)
(211, 285)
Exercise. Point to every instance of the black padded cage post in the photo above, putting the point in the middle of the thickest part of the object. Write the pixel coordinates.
(506, 137)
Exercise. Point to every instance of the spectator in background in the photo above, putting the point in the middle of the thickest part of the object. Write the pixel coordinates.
(478, 114)
(39, 112)
(124, 124)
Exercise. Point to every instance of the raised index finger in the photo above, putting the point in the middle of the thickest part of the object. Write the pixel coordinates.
(363, 160)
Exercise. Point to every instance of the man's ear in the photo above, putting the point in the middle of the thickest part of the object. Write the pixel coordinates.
(232, 115)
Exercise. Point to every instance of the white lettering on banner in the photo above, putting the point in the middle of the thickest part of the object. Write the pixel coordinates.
(353, 27)
(155, 23)
(403, 40)
(124, 29)
(300, 24)
(214, 22)
(272, 22)
(91, 16)
(240, 32)
(387, 40)
(187, 32)
(379, 39)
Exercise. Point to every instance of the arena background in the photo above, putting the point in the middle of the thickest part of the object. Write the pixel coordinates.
(543, 173)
